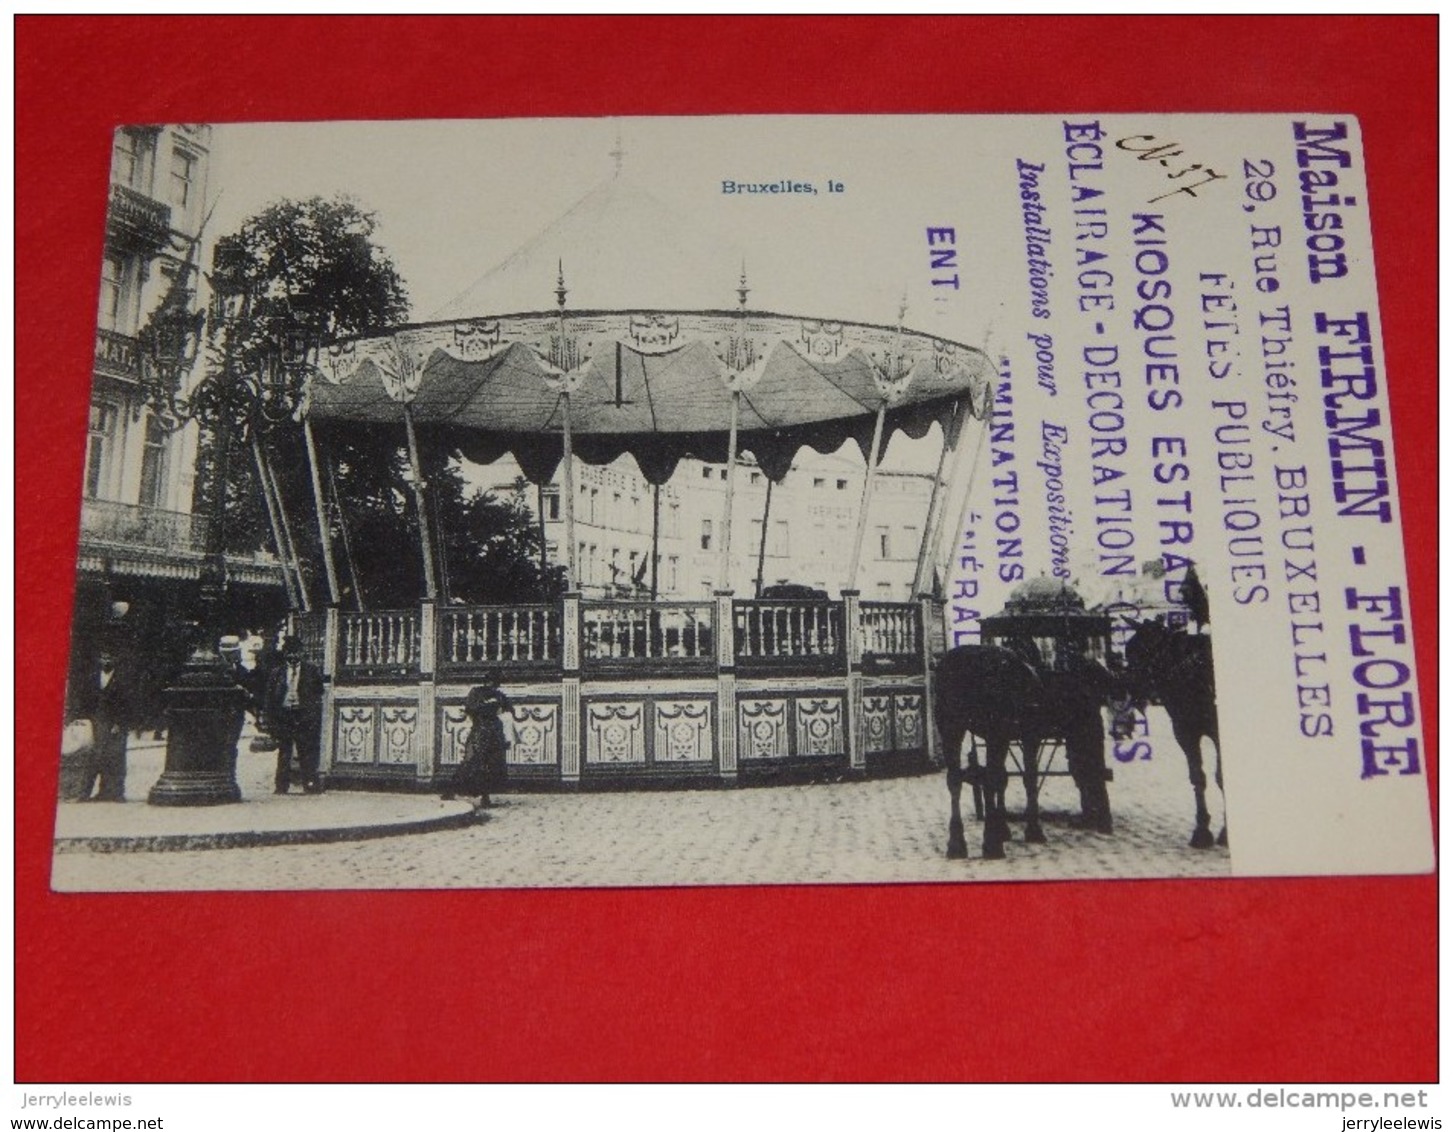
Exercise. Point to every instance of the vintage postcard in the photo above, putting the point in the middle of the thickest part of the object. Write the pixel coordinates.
(739, 500)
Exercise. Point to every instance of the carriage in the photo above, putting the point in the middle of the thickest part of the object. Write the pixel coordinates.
(1045, 622)
(1032, 691)
(1039, 681)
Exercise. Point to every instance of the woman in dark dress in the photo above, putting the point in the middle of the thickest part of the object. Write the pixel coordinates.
(483, 767)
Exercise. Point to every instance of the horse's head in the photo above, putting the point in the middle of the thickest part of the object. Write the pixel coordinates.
(1136, 680)
(1146, 644)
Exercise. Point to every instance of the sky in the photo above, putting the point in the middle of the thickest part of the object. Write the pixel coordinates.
(455, 199)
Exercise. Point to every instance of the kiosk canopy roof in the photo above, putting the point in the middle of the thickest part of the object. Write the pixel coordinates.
(656, 384)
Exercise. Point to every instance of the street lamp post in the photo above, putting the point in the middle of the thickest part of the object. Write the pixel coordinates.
(204, 706)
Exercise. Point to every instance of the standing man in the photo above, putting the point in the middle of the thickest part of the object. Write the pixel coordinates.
(293, 706)
(108, 699)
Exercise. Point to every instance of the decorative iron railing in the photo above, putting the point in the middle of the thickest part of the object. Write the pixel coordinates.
(788, 630)
(138, 222)
(665, 631)
(128, 524)
(381, 643)
(890, 629)
(484, 636)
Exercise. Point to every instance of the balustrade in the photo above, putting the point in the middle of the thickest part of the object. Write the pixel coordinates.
(853, 667)
(104, 520)
(385, 642)
(782, 632)
(138, 222)
(499, 635)
(890, 629)
(788, 630)
(647, 631)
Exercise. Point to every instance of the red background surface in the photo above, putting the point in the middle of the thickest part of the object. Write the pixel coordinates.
(1247, 980)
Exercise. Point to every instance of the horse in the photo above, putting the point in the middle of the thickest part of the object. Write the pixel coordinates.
(1000, 696)
(1174, 668)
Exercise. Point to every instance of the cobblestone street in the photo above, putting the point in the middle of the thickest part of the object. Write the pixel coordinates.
(877, 831)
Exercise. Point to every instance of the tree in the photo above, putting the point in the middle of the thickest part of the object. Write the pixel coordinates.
(487, 548)
(492, 549)
(314, 265)
(306, 265)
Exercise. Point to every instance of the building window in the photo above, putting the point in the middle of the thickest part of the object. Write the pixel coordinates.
(673, 579)
(706, 534)
(885, 591)
(842, 485)
(673, 521)
(818, 481)
(723, 473)
(552, 505)
(126, 159)
(779, 538)
(153, 465)
(112, 273)
(706, 472)
(884, 549)
(184, 168)
(756, 477)
(100, 439)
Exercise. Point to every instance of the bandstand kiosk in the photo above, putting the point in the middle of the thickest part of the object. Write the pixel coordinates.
(708, 692)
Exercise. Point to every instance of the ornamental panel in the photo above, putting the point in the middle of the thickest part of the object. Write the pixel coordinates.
(615, 733)
(535, 739)
(453, 735)
(683, 731)
(762, 729)
(355, 734)
(877, 723)
(398, 733)
(820, 726)
(908, 721)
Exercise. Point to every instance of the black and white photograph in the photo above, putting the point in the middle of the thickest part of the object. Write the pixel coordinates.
(737, 500)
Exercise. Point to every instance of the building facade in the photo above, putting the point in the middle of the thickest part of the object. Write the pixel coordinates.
(810, 519)
(141, 547)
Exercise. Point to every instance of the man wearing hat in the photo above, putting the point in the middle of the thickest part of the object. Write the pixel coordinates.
(483, 767)
(293, 706)
(107, 697)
